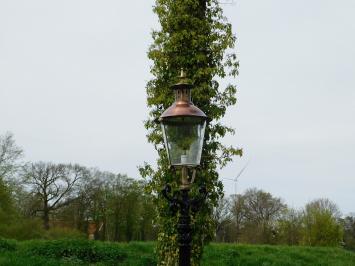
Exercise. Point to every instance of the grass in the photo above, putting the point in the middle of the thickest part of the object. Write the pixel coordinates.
(259, 255)
(82, 252)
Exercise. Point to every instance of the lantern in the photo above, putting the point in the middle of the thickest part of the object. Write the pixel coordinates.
(183, 126)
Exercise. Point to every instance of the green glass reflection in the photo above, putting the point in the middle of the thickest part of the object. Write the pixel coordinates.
(184, 139)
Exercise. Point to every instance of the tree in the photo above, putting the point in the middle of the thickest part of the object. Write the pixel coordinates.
(321, 224)
(222, 217)
(10, 153)
(53, 185)
(117, 205)
(290, 227)
(349, 231)
(261, 211)
(147, 217)
(7, 210)
(238, 212)
(194, 35)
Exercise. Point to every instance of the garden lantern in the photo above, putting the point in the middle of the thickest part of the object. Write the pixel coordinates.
(183, 126)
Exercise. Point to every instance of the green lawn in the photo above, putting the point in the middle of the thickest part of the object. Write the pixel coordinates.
(253, 255)
(73, 252)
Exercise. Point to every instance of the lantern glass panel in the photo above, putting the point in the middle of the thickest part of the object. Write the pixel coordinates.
(183, 138)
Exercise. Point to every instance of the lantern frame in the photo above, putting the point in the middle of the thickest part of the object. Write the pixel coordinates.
(185, 120)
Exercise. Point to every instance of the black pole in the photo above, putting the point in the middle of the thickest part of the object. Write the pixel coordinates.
(184, 229)
(181, 202)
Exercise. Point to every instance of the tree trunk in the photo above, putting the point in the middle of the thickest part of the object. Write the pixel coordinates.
(46, 218)
(142, 231)
(104, 229)
(116, 238)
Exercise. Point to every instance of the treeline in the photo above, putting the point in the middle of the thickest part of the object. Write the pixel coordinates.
(47, 200)
(257, 217)
(43, 200)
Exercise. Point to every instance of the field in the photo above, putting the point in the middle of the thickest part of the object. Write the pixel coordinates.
(74, 252)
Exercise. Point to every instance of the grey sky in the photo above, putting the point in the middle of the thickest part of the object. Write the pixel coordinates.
(69, 71)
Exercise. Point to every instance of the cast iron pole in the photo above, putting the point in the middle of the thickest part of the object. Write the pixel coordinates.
(184, 229)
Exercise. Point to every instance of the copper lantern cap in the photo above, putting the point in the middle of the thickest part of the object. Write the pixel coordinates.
(183, 106)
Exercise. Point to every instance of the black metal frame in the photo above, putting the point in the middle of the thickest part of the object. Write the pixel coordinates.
(180, 201)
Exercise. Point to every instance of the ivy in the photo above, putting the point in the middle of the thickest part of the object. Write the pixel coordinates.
(194, 35)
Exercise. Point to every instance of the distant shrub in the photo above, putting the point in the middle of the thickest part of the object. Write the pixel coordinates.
(22, 230)
(7, 245)
(63, 233)
(88, 251)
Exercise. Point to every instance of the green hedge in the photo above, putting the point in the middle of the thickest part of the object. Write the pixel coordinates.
(87, 251)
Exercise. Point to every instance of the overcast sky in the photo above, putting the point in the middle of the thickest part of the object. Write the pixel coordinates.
(73, 75)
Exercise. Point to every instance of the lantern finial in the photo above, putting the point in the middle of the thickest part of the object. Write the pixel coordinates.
(182, 73)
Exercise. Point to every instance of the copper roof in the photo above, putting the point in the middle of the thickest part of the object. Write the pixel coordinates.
(182, 109)
(183, 106)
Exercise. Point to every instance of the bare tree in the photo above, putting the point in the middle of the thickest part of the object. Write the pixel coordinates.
(10, 153)
(53, 184)
(324, 205)
(237, 209)
(222, 217)
(262, 206)
(263, 210)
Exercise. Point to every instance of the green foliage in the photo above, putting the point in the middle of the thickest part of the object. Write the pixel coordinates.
(252, 217)
(87, 251)
(12, 225)
(290, 228)
(7, 245)
(321, 225)
(194, 35)
(261, 211)
(115, 203)
(256, 217)
(14, 259)
(349, 232)
(63, 233)
(22, 229)
(141, 254)
(70, 252)
(7, 210)
(27, 229)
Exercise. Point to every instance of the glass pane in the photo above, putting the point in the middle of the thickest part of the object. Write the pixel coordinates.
(184, 140)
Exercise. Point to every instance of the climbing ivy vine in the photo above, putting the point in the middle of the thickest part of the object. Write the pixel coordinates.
(194, 35)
